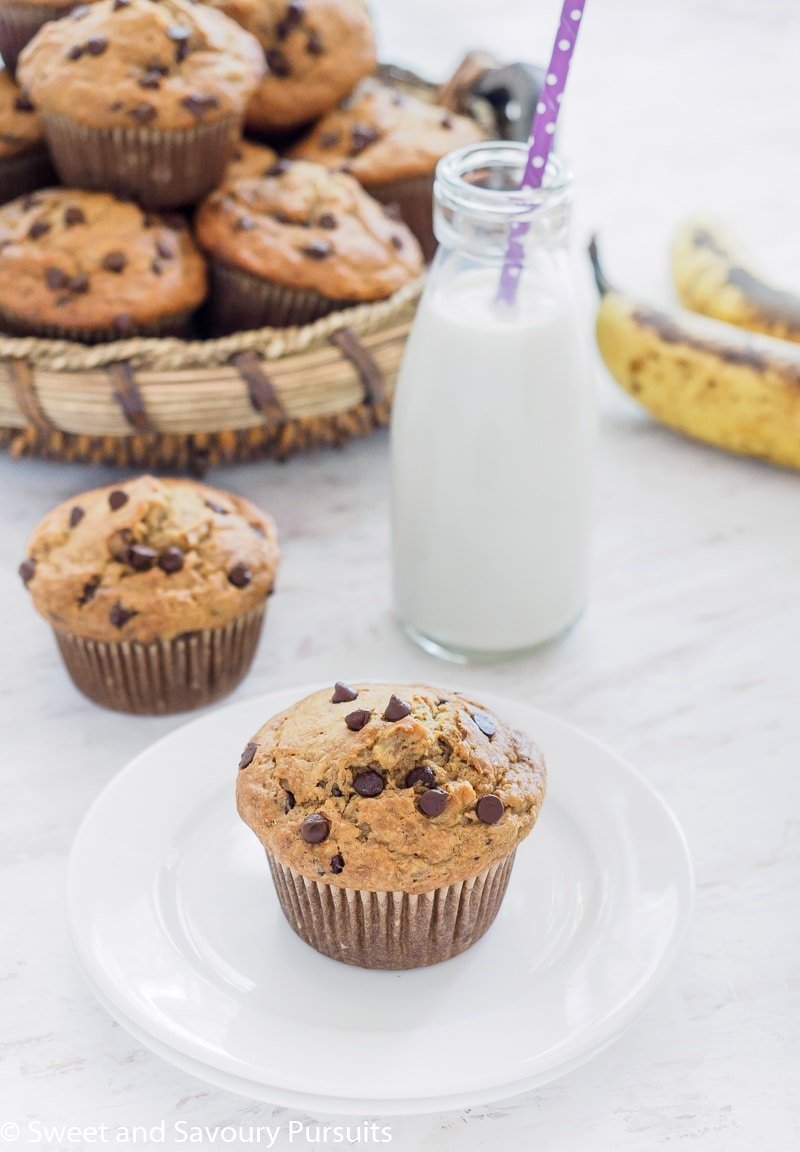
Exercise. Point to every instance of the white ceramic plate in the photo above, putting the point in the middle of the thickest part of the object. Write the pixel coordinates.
(177, 927)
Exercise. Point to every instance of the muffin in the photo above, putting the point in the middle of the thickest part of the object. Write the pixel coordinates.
(155, 589)
(142, 97)
(249, 160)
(24, 162)
(20, 20)
(86, 266)
(298, 243)
(391, 143)
(390, 815)
(315, 50)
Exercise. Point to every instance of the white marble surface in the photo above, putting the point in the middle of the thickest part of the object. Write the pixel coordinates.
(686, 661)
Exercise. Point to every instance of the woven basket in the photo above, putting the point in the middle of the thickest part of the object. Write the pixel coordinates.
(185, 405)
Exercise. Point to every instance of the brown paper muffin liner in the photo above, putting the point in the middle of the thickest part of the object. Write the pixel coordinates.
(240, 300)
(160, 169)
(396, 930)
(176, 325)
(414, 199)
(164, 676)
(25, 172)
(19, 23)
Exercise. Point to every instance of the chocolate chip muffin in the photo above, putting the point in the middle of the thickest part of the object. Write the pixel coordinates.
(86, 266)
(24, 162)
(391, 142)
(298, 243)
(155, 589)
(20, 20)
(315, 50)
(248, 160)
(390, 815)
(142, 97)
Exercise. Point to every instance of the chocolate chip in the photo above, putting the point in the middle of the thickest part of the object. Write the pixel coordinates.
(240, 576)
(171, 559)
(369, 784)
(30, 200)
(290, 800)
(422, 774)
(27, 569)
(355, 721)
(278, 63)
(73, 216)
(123, 324)
(218, 508)
(150, 80)
(115, 261)
(315, 828)
(55, 279)
(155, 267)
(489, 809)
(283, 28)
(37, 229)
(88, 591)
(295, 11)
(244, 224)
(23, 103)
(327, 220)
(79, 284)
(279, 168)
(315, 46)
(361, 136)
(337, 863)
(164, 250)
(96, 45)
(486, 724)
(343, 692)
(117, 499)
(432, 802)
(317, 250)
(198, 104)
(119, 616)
(396, 709)
(336, 791)
(285, 218)
(396, 241)
(248, 755)
(140, 557)
(116, 106)
(75, 52)
(143, 113)
(329, 140)
(119, 4)
(75, 516)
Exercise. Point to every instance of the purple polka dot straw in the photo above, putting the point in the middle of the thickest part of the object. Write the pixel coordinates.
(541, 138)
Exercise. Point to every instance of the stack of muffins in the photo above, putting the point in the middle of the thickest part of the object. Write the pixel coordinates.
(165, 209)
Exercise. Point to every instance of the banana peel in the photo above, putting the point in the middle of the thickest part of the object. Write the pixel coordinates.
(711, 381)
(712, 278)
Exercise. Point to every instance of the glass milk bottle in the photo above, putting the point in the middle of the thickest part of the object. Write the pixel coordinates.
(493, 422)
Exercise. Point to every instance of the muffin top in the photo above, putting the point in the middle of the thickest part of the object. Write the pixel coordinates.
(80, 259)
(316, 51)
(250, 160)
(305, 227)
(162, 64)
(150, 559)
(389, 787)
(378, 134)
(20, 129)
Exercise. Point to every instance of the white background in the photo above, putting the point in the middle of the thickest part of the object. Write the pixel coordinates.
(686, 661)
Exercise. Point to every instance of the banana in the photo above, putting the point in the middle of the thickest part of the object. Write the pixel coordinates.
(711, 278)
(709, 380)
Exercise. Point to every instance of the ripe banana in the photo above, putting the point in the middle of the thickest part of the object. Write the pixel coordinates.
(709, 380)
(711, 278)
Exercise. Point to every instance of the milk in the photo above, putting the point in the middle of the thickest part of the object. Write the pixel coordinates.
(492, 444)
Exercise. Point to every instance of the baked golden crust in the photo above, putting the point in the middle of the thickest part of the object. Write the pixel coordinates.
(88, 260)
(305, 762)
(104, 564)
(20, 128)
(315, 50)
(378, 134)
(306, 227)
(250, 160)
(166, 65)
